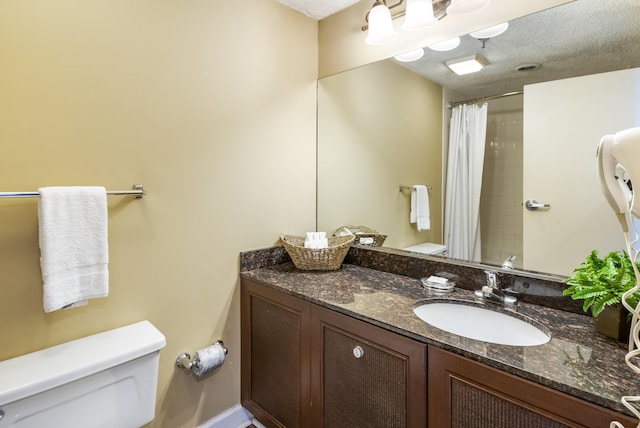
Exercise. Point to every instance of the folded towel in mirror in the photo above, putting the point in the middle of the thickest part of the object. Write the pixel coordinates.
(420, 207)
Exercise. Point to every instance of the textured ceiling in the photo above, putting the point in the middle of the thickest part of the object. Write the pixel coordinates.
(319, 9)
(574, 39)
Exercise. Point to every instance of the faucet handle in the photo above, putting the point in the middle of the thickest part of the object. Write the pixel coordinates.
(508, 263)
(492, 278)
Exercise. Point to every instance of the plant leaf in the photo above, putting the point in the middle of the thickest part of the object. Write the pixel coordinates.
(601, 282)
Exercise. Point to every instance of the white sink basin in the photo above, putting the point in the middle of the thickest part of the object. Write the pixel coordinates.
(480, 323)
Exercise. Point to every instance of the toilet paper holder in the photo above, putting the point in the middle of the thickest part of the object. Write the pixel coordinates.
(184, 360)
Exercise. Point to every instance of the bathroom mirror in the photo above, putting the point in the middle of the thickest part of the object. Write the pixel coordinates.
(352, 181)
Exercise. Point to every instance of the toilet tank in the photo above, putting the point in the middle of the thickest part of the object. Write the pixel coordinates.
(107, 380)
(428, 248)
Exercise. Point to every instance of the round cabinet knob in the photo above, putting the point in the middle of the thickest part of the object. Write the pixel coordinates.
(358, 352)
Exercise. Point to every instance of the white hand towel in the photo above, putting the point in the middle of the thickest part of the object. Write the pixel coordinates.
(420, 207)
(74, 250)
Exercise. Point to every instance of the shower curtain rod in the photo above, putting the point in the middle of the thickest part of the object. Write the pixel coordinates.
(477, 100)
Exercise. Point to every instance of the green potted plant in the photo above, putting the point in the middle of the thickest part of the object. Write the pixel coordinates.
(601, 282)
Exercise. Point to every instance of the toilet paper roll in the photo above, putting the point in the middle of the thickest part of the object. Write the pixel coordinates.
(208, 359)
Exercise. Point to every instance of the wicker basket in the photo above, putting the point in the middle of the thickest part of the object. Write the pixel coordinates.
(362, 232)
(317, 258)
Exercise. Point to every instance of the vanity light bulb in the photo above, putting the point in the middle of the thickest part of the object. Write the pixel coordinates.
(447, 45)
(380, 25)
(413, 55)
(419, 15)
(489, 32)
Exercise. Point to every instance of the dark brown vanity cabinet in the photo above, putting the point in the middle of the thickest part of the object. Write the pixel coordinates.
(306, 366)
(467, 394)
(276, 357)
(364, 376)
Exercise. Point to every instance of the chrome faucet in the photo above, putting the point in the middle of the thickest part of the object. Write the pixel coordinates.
(508, 263)
(491, 291)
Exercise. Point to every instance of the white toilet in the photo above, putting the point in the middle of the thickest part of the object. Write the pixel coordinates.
(428, 248)
(106, 380)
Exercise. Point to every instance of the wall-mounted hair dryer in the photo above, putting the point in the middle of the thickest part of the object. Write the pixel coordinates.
(619, 167)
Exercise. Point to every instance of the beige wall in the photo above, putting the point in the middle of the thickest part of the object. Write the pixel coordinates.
(342, 44)
(564, 121)
(211, 106)
(379, 126)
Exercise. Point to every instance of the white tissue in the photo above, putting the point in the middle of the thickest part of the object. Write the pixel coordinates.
(316, 240)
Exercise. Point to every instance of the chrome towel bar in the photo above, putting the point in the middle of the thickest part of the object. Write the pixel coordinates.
(403, 188)
(137, 192)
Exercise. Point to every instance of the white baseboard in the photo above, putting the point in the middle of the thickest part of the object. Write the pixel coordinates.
(234, 417)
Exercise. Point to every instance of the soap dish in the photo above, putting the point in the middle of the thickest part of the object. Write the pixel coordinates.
(438, 284)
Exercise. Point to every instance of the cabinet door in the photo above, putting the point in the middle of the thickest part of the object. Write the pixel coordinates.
(275, 356)
(364, 376)
(466, 394)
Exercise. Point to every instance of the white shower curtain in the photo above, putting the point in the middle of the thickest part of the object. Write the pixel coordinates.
(467, 135)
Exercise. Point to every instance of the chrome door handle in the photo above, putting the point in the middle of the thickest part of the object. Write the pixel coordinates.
(533, 205)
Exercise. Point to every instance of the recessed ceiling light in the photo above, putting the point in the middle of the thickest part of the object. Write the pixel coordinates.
(413, 55)
(447, 45)
(466, 65)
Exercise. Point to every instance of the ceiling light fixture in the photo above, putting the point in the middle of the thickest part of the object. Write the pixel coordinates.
(489, 32)
(466, 65)
(419, 15)
(410, 56)
(447, 45)
(380, 26)
(458, 7)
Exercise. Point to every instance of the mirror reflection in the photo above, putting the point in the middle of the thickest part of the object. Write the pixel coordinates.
(386, 125)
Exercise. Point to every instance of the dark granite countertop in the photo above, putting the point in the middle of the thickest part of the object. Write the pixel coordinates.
(577, 360)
